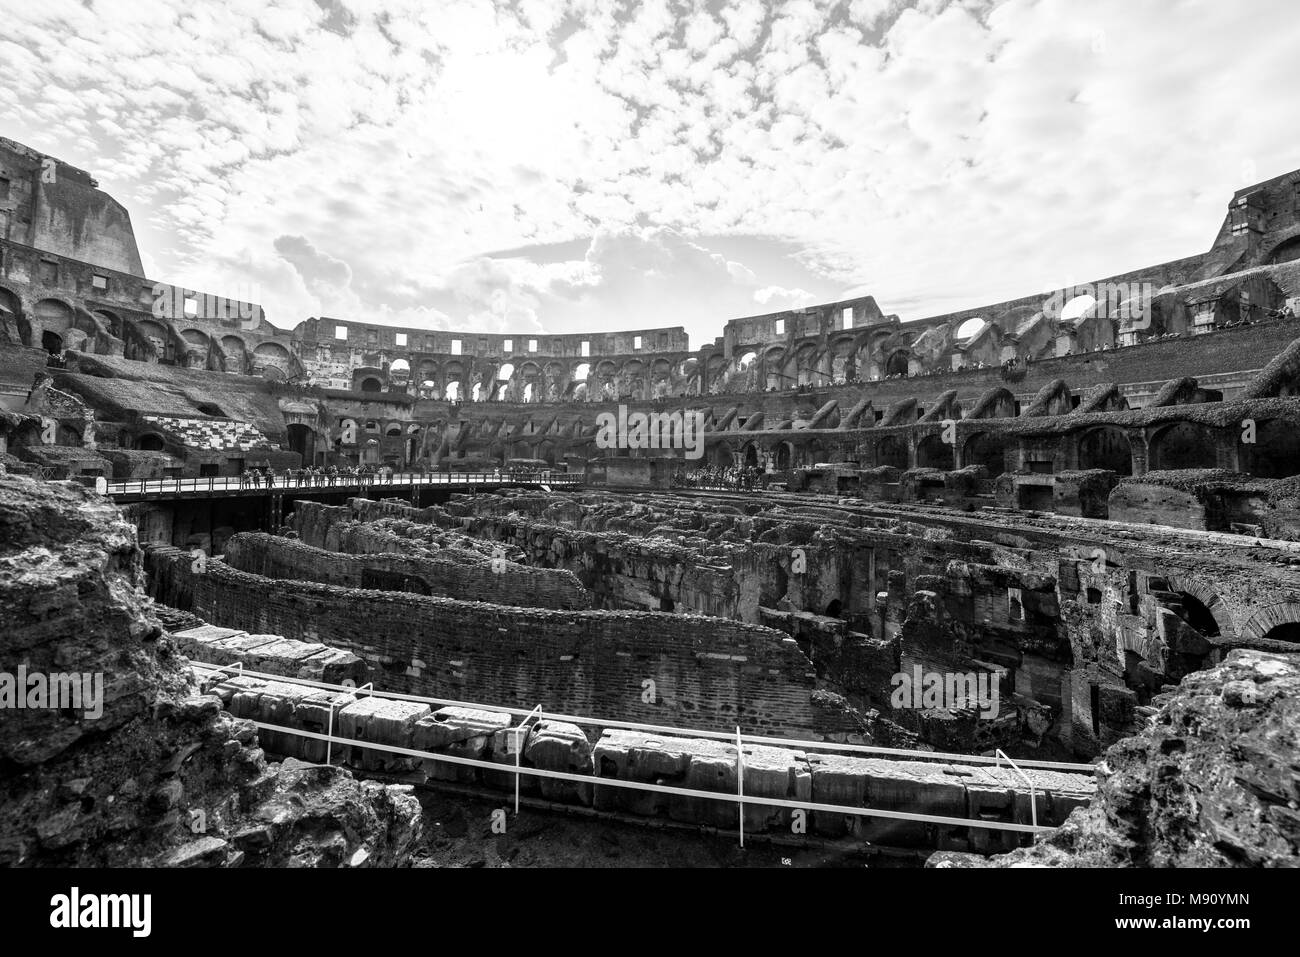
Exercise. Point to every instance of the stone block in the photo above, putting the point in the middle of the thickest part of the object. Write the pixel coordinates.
(382, 721)
(459, 732)
(560, 746)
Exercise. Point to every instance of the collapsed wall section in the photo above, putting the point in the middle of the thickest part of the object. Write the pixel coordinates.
(495, 581)
(621, 571)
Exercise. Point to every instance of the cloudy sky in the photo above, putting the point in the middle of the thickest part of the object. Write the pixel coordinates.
(600, 164)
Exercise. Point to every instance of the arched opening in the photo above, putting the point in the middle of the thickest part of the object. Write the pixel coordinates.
(452, 392)
(833, 609)
(156, 335)
(52, 343)
(932, 452)
(783, 456)
(400, 371)
(150, 442)
(1196, 614)
(197, 346)
(505, 372)
(54, 315)
(1078, 307)
(897, 364)
(303, 441)
(1185, 445)
(270, 358)
(11, 318)
(970, 328)
(1276, 451)
(234, 348)
(751, 456)
(892, 451)
(476, 393)
(1288, 631)
(1106, 448)
(1286, 252)
(371, 384)
(986, 450)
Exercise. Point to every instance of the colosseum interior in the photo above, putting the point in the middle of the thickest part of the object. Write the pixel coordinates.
(1086, 501)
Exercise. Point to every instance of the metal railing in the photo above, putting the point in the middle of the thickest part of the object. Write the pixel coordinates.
(212, 483)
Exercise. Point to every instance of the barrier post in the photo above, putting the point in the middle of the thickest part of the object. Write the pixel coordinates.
(517, 735)
(329, 742)
(740, 783)
(1033, 792)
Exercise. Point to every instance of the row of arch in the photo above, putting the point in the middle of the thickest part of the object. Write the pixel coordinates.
(533, 381)
(58, 326)
(1181, 445)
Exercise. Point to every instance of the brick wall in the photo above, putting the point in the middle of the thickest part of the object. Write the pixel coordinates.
(707, 673)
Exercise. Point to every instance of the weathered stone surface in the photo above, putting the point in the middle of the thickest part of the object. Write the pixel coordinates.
(560, 746)
(383, 721)
(1210, 782)
(459, 732)
(163, 775)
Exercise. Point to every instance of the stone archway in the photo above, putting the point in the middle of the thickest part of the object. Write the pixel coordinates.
(1279, 622)
(986, 449)
(932, 452)
(1106, 448)
(302, 439)
(1183, 445)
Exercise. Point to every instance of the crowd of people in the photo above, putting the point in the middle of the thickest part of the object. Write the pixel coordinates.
(317, 476)
(734, 478)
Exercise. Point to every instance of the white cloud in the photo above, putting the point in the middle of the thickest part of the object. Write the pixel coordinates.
(778, 298)
(937, 156)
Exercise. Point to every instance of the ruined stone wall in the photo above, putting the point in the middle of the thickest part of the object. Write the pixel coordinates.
(1226, 735)
(58, 208)
(502, 583)
(620, 571)
(707, 673)
(122, 787)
